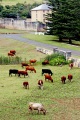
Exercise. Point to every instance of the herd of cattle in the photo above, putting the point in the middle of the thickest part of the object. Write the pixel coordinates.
(47, 75)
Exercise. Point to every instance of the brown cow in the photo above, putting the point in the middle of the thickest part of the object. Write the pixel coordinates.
(32, 61)
(26, 85)
(10, 54)
(48, 76)
(24, 64)
(71, 65)
(63, 78)
(40, 84)
(45, 62)
(20, 72)
(70, 77)
(13, 51)
(31, 68)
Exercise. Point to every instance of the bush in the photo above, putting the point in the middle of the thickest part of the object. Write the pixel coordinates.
(56, 59)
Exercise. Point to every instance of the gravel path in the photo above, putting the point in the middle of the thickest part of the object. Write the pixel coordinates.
(37, 44)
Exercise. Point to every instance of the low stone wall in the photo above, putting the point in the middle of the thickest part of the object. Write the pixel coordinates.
(67, 54)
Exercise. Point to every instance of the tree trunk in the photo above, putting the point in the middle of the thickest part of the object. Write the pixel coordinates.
(60, 39)
(70, 41)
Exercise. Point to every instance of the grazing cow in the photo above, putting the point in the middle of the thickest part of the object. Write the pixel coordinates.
(26, 85)
(22, 73)
(40, 84)
(47, 71)
(10, 54)
(13, 51)
(24, 64)
(48, 76)
(45, 62)
(31, 68)
(63, 78)
(13, 71)
(70, 77)
(32, 61)
(37, 106)
(71, 65)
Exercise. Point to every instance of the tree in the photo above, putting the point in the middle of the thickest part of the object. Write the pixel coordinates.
(64, 21)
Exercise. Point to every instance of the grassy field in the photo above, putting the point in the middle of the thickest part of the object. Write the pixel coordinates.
(53, 40)
(62, 102)
(14, 2)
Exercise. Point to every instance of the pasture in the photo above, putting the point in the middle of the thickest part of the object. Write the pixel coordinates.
(62, 101)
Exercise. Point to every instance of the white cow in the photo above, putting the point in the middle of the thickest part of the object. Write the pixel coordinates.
(37, 106)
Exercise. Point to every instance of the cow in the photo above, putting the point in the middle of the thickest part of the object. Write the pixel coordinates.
(40, 84)
(21, 72)
(37, 106)
(48, 76)
(47, 71)
(10, 54)
(24, 64)
(45, 62)
(71, 65)
(13, 71)
(70, 77)
(31, 68)
(32, 61)
(13, 52)
(63, 78)
(26, 85)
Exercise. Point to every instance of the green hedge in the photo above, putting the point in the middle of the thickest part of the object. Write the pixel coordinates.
(10, 60)
(56, 59)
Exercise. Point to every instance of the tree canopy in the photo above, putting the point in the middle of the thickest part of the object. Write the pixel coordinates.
(64, 21)
(22, 11)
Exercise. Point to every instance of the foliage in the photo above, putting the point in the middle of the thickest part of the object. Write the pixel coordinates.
(64, 21)
(56, 59)
(17, 11)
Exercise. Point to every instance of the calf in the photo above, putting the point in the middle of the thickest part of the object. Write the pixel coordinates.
(47, 71)
(26, 85)
(22, 73)
(40, 84)
(70, 77)
(31, 68)
(48, 76)
(37, 106)
(63, 78)
(13, 71)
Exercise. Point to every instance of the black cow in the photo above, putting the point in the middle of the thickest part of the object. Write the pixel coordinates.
(13, 71)
(47, 71)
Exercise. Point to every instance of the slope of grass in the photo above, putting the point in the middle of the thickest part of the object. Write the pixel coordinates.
(60, 100)
(53, 40)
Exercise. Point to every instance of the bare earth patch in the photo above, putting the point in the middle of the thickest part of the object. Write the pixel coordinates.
(67, 109)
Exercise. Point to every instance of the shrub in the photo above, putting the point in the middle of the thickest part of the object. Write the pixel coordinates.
(56, 59)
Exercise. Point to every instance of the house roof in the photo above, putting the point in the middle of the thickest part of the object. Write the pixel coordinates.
(41, 7)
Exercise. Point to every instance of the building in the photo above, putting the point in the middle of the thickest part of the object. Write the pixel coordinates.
(38, 13)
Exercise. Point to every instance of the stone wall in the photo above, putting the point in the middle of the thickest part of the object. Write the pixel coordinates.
(21, 24)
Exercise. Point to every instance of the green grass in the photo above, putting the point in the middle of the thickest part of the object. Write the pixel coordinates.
(11, 31)
(60, 100)
(53, 40)
(14, 2)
